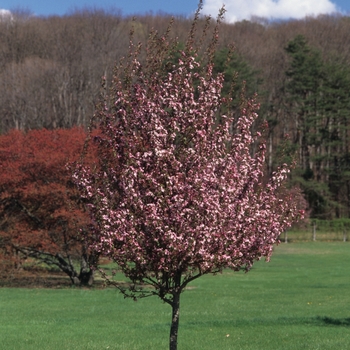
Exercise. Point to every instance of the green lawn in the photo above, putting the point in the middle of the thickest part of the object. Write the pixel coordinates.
(300, 300)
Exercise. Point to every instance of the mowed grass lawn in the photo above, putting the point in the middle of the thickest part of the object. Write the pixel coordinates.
(300, 300)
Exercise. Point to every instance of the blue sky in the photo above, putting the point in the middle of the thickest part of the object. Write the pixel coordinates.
(237, 9)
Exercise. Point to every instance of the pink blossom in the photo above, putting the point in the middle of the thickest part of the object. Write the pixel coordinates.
(176, 194)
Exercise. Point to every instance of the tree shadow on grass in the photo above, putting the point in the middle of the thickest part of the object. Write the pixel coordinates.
(318, 321)
(315, 321)
(329, 321)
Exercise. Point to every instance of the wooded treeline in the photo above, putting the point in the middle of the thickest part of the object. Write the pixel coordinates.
(51, 69)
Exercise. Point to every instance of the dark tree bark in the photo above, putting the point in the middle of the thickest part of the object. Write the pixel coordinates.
(85, 276)
(174, 321)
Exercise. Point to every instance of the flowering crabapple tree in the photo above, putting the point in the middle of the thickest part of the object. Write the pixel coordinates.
(177, 192)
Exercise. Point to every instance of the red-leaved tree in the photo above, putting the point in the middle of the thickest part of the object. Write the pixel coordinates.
(179, 191)
(40, 210)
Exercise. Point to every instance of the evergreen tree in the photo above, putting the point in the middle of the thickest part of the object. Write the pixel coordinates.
(317, 102)
(237, 72)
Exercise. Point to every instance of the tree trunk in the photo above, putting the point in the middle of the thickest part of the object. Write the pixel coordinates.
(174, 321)
(86, 277)
(314, 232)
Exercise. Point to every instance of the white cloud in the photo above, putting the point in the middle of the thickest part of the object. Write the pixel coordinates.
(238, 10)
(5, 14)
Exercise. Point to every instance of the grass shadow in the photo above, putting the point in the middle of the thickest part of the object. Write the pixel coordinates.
(329, 321)
(318, 321)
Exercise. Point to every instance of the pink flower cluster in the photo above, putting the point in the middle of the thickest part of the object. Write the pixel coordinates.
(177, 190)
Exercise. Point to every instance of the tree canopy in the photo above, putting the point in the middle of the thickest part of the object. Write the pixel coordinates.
(180, 188)
(40, 211)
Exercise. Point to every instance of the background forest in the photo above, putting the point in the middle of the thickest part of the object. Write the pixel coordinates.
(51, 73)
(51, 69)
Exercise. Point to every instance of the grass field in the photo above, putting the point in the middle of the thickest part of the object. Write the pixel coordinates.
(300, 300)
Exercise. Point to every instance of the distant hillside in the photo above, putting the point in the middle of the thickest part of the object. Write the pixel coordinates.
(51, 69)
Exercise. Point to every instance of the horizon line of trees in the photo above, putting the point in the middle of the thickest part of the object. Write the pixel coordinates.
(51, 70)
